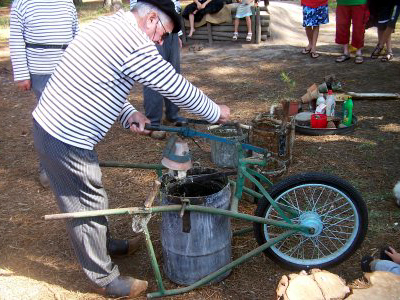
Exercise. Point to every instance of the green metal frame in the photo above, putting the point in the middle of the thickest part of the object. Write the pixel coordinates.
(238, 186)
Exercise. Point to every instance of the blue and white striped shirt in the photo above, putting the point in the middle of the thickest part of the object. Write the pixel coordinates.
(89, 88)
(51, 22)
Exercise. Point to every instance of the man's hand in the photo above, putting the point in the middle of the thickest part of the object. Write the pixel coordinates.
(395, 256)
(141, 119)
(24, 85)
(224, 115)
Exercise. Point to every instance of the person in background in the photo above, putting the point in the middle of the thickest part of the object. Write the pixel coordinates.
(388, 261)
(386, 13)
(243, 11)
(315, 13)
(350, 12)
(196, 10)
(153, 101)
(84, 97)
(40, 31)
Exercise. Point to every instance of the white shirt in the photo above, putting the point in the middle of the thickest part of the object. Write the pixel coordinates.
(51, 22)
(88, 90)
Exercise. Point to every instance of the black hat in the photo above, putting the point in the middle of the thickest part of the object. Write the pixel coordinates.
(168, 8)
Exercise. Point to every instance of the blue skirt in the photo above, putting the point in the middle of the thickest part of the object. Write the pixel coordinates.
(315, 16)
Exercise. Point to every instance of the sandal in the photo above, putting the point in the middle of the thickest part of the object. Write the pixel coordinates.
(377, 52)
(305, 51)
(248, 37)
(388, 56)
(359, 59)
(235, 36)
(342, 58)
(314, 54)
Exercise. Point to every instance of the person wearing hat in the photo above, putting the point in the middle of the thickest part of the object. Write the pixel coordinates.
(85, 95)
(152, 100)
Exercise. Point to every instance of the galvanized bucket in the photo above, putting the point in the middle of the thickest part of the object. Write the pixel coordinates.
(225, 155)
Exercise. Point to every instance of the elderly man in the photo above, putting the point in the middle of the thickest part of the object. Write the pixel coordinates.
(152, 100)
(39, 33)
(86, 94)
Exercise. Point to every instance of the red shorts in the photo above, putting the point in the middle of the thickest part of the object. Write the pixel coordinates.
(345, 16)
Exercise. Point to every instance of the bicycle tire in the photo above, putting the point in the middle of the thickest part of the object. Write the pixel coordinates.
(315, 207)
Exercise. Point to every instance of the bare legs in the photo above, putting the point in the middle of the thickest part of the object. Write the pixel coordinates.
(236, 28)
(312, 33)
(248, 23)
(191, 23)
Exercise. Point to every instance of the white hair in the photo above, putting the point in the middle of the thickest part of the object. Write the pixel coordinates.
(143, 8)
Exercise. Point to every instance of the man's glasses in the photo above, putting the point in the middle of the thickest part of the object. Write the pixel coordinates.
(165, 34)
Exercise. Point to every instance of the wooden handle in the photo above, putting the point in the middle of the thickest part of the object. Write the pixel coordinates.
(153, 193)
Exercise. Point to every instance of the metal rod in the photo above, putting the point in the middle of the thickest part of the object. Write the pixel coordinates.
(267, 196)
(170, 208)
(224, 269)
(153, 259)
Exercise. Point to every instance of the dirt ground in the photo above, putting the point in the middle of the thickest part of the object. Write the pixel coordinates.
(36, 260)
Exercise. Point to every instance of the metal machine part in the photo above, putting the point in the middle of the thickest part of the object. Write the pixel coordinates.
(176, 157)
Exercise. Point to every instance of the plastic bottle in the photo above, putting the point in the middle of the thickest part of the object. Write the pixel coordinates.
(330, 104)
(321, 99)
(347, 112)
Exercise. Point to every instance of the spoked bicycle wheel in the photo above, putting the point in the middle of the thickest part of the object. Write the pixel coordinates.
(325, 202)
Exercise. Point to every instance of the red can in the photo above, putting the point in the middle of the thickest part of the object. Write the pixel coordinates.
(318, 121)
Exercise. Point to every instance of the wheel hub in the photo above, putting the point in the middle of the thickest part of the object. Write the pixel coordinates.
(311, 219)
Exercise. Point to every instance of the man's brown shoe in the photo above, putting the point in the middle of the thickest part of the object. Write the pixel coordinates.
(124, 247)
(124, 286)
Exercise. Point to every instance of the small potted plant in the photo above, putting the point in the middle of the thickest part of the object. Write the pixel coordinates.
(287, 94)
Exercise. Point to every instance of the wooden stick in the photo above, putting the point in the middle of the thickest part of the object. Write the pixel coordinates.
(153, 193)
(373, 96)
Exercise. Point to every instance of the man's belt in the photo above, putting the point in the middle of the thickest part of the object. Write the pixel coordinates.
(46, 46)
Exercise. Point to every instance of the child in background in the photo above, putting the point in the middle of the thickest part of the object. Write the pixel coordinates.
(389, 261)
(243, 11)
(315, 13)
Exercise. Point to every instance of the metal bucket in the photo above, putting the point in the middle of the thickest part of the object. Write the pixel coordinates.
(225, 155)
(190, 256)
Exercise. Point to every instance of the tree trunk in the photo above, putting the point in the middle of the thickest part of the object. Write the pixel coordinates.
(78, 2)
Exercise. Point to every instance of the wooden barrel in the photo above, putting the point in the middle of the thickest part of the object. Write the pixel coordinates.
(269, 132)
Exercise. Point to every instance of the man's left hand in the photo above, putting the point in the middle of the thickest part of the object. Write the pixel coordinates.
(141, 120)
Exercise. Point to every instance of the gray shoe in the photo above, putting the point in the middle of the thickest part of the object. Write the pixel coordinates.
(124, 286)
(44, 180)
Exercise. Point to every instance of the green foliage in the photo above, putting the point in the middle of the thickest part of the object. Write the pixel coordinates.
(290, 84)
(4, 22)
(5, 3)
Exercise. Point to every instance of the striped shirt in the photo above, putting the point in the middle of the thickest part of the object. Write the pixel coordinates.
(89, 88)
(51, 22)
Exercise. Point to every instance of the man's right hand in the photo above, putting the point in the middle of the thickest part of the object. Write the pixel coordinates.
(24, 85)
(225, 113)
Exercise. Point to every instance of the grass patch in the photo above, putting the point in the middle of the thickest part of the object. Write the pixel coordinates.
(4, 22)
